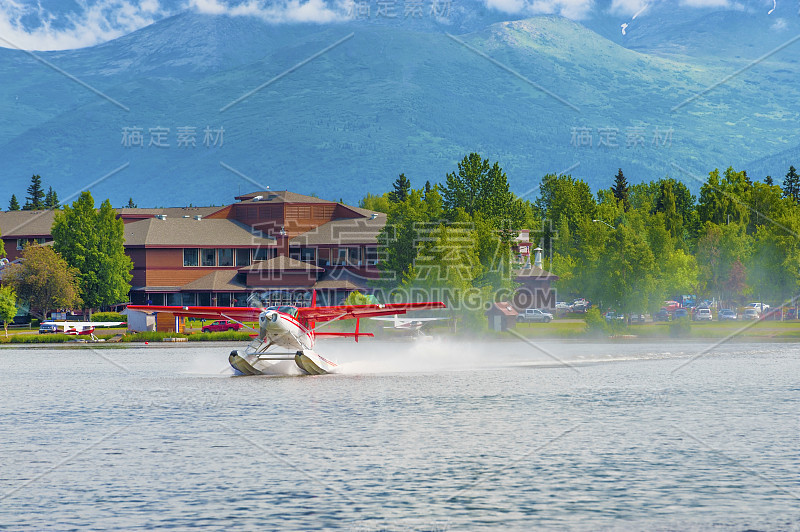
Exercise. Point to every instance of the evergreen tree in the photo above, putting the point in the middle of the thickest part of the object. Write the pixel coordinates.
(791, 185)
(13, 205)
(621, 190)
(92, 241)
(51, 199)
(35, 197)
(768, 180)
(131, 204)
(481, 188)
(402, 186)
(427, 189)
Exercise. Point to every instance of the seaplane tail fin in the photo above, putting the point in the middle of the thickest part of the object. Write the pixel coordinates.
(311, 321)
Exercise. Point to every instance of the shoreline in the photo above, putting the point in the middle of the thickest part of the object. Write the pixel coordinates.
(504, 339)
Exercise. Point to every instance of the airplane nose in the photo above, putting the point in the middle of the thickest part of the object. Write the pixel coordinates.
(272, 316)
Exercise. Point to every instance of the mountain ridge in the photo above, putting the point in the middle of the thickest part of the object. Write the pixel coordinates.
(387, 100)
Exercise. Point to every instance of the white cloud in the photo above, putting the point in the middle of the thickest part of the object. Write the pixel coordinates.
(574, 9)
(627, 7)
(705, 3)
(100, 22)
(276, 11)
(780, 24)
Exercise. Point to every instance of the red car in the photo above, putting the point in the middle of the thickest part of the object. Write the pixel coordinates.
(222, 325)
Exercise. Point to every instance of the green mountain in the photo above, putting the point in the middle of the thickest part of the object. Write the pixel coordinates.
(387, 99)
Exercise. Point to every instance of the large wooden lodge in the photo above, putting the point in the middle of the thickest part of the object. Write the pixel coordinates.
(273, 245)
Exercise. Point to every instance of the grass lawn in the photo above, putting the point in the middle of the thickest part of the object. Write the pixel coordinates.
(778, 330)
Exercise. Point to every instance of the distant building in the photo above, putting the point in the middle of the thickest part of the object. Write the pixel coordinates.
(502, 316)
(271, 245)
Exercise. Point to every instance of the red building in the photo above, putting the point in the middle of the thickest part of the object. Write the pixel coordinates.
(272, 245)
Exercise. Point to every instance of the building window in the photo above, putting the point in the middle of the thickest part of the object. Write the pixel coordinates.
(354, 256)
(225, 257)
(188, 299)
(264, 253)
(372, 256)
(243, 257)
(20, 243)
(224, 299)
(294, 253)
(174, 300)
(190, 257)
(204, 299)
(208, 257)
(340, 257)
(308, 254)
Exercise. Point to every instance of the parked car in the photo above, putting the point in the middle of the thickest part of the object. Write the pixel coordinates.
(222, 325)
(612, 315)
(703, 314)
(662, 315)
(581, 305)
(535, 315)
(774, 314)
(750, 314)
(562, 306)
(760, 307)
(48, 328)
(727, 314)
(637, 318)
(680, 313)
(791, 314)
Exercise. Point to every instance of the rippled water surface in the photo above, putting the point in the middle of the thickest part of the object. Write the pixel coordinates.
(426, 436)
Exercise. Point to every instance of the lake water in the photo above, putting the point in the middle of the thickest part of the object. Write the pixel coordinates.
(425, 436)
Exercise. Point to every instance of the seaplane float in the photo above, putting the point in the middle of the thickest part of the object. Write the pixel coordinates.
(289, 333)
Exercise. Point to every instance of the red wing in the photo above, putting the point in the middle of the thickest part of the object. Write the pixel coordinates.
(213, 313)
(348, 312)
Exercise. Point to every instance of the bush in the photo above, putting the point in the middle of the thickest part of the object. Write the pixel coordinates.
(150, 336)
(108, 316)
(156, 336)
(680, 328)
(595, 323)
(36, 339)
(234, 336)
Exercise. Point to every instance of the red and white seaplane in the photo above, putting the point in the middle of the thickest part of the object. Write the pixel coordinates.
(82, 328)
(288, 333)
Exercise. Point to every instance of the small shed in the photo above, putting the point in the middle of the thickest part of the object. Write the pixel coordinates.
(502, 316)
(139, 321)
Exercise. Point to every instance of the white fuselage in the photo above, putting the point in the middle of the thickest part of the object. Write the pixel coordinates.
(281, 330)
(285, 331)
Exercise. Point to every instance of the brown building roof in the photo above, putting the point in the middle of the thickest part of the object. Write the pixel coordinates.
(26, 223)
(180, 232)
(175, 212)
(332, 284)
(218, 281)
(503, 308)
(347, 231)
(280, 196)
(281, 263)
(535, 274)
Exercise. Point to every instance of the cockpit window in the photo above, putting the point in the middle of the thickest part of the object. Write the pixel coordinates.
(292, 311)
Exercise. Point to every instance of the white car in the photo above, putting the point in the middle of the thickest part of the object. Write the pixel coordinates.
(702, 314)
(760, 307)
(536, 315)
(751, 314)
